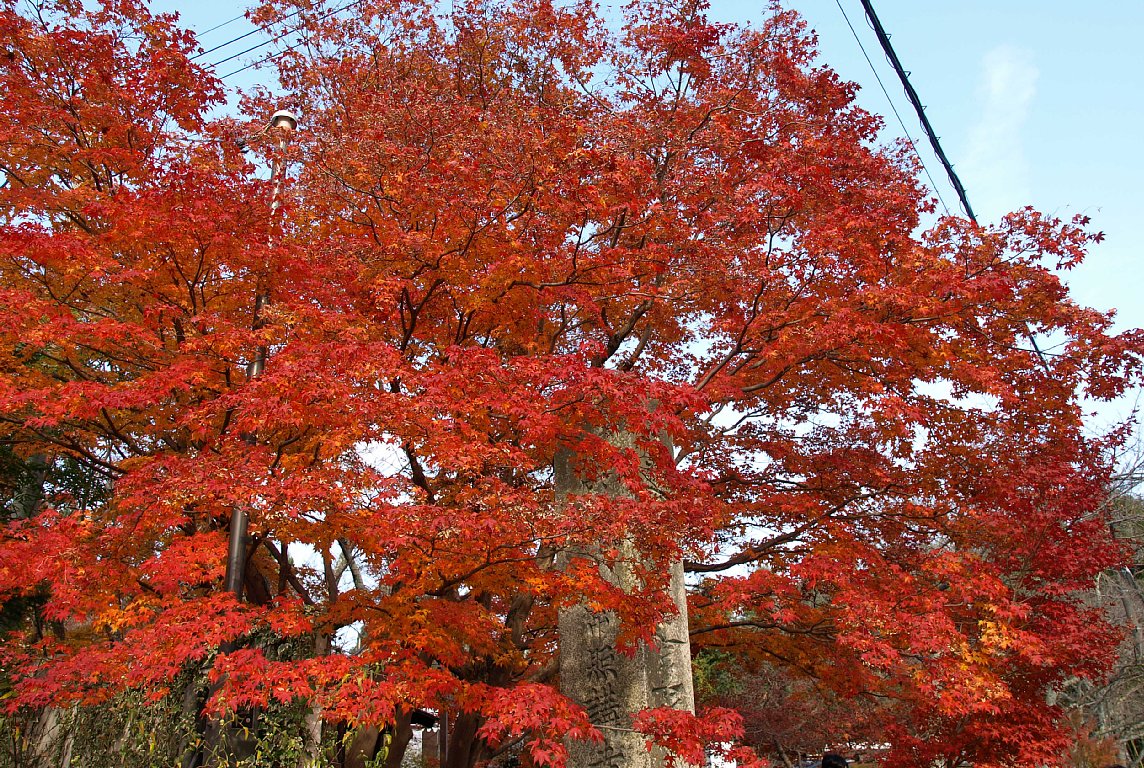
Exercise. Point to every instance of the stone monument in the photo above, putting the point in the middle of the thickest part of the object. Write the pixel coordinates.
(610, 685)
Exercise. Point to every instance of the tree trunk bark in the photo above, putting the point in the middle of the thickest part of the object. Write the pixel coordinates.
(464, 748)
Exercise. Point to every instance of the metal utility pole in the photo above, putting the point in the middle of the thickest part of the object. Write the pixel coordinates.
(285, 123)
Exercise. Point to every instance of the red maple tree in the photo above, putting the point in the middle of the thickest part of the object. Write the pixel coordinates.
(509, 230)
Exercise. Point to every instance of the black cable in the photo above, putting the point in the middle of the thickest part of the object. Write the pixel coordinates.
(224, 45)
(884, 39)
(236, 39)
(261, 61)
(217, 27)
(263, 44)
(904, 76)
(894, 108)
(278, 37)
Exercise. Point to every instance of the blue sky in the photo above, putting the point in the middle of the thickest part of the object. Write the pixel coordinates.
(1036, 101)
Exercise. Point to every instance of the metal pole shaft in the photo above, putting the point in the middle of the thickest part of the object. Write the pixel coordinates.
(236, 553)
(239, 519)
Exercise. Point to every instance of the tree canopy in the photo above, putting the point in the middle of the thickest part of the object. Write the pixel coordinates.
(511, 229)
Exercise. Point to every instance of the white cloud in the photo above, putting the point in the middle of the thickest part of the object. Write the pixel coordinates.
(995, 167)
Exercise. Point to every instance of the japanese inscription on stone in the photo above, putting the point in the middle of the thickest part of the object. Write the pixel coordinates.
(612, 686)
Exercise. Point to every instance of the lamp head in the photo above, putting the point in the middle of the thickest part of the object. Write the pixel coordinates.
(283, 119)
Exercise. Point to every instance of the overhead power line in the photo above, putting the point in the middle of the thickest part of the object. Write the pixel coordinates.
(884, 39)
(234, 40)
(255, 47)
(220, 46)
(217, 27)
(904, 76)
(276, 38)
(893, 107)
(263, 60)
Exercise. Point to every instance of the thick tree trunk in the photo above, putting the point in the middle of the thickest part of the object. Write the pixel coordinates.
(363, 747)
(399, 741)
(30, 496)
(611, 686)
(312, 730)
(464, 748)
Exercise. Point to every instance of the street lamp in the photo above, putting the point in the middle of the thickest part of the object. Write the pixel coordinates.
(286, 123)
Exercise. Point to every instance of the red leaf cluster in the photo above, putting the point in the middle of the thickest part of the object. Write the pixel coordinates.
(505, 237)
